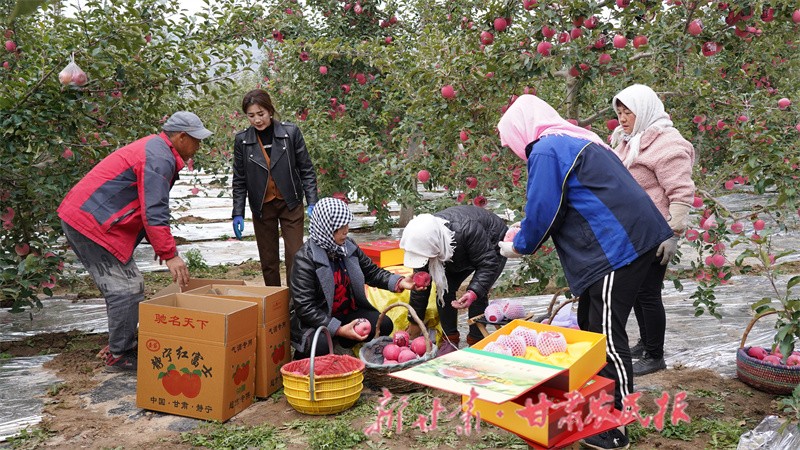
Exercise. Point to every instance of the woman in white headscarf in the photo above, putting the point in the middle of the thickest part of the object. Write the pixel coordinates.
(661, 161)
(328, 279)
(605, 228)
(451, 245)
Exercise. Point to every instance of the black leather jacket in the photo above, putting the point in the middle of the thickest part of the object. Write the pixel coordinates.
(290, 166)
(313, 286)
(477, 232)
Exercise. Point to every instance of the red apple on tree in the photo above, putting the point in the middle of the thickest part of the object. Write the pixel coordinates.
(423, 176)
(784, 103)
(544, 48)
(639, 41)
(487, 38)
(500, 24)
(11, 46)
(612, 124)
(620, 41)
(323, 70)
(548, 32)
(796, 16)
(604, 58)
(463, 135)
(472, 182)
(591, 23)
(695, 27)
(448, 92)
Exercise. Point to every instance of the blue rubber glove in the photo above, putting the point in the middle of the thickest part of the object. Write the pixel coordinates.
(238, 226)
(310, 211)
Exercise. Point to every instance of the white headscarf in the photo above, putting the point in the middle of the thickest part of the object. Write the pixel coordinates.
(428, 236)
(649, 111)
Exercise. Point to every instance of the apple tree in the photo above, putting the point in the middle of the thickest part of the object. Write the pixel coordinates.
(142, 59)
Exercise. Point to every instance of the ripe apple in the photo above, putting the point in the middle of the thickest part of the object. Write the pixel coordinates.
(758, 225)
(784, 103)
(591, 23)
(729, 185)
(604, 58)
(361, 79)
(575, 33)
(487, 38)
(195, 191)
(544, 48)
(448, 92)
(529, 4)
(22, 249)
(796, 16)
(387, 39)
(695, 27)
(463, 135)
(717, 260)
(793, 360)
(6, 65)
(639, 41)
(773, 359)
(362, 327)
(423, 176)
(711, 48)
(757, 352)
(401, 338)
(737, 227)
(418, 346)
(323, 70)
(406, 355)
(620, 41)
(612, 124)
(564, 37)
(623, 3)
(11, 46)
(422, 279)
(346, 88)
(480, 201)
(391, 352)
(548, 32)
(500, 24)
(472, 182)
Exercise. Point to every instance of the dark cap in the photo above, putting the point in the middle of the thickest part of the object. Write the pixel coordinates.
(187, 122)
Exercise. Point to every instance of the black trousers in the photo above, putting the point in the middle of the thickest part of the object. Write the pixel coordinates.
(448, 316)
(604, 308)
(649, 310)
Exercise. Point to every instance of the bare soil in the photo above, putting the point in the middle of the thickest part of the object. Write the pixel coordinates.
(75, 418)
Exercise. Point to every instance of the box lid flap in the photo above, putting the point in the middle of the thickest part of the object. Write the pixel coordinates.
(496, 378)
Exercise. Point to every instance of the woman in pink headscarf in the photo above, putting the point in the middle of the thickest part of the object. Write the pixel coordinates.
(604, 226)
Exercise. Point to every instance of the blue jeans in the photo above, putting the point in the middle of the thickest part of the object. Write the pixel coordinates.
(121, 284)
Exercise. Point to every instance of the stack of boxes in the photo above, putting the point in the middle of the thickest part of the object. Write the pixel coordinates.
(209, 351)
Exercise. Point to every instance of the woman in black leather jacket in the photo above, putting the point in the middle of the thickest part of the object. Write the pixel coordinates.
(452, 245)
(328, 280)
(271, 168)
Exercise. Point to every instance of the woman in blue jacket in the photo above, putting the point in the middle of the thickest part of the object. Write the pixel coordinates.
(605, 228)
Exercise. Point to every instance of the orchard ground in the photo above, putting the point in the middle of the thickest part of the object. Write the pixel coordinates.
(94, 409)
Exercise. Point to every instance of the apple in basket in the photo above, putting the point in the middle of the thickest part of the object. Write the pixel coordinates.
(757, 352)
(793, 360)
(362, 327)
(773, 359)
(401, 338)
(418, 345)
(390, 353)
(406, 355)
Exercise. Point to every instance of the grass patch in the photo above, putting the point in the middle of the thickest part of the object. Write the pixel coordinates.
(30, 438)
(721, 434)
(216, 436)
(327, 434)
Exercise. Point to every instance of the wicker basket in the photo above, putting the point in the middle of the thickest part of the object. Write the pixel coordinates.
(323, 394)
(761, 375)
(376, 375)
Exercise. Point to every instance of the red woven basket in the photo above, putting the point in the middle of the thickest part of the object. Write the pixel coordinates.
(764, 376)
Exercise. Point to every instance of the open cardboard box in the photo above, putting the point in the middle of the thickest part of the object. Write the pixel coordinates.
(195, 283)
(273, 348)
(196, 356)
(504, 383)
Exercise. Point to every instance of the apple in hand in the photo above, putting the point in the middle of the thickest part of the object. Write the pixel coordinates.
(362, 327)
(422, 279)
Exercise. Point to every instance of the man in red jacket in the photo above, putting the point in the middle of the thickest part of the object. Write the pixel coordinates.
(124, 198)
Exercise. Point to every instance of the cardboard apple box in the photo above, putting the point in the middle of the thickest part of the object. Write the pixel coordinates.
(576, 374)
(193, 284)
(196, 356)
(383, 253)
(273, 348)
(551, 427)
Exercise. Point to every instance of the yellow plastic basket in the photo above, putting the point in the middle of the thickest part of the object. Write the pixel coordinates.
(322, 394)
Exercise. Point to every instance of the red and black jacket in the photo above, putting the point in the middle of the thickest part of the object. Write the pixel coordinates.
(125, 197)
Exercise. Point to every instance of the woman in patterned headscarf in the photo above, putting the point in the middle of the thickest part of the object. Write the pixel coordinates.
(328, 276)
